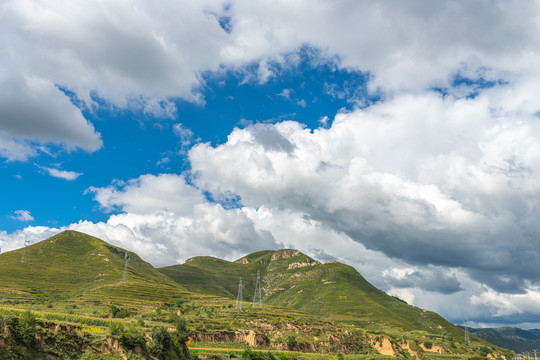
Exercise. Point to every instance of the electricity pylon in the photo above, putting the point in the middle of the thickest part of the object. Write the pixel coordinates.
(467, 338)
(24, 256)
(125, 276)
(257, 298)
(239, 298)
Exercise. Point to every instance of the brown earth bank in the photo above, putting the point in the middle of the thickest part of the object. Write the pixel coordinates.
(54, 341)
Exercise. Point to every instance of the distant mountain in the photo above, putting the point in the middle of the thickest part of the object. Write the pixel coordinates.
(291, 279)
(75, 265)
(515, 339)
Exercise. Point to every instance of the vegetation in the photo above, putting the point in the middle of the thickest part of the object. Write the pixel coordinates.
(81, 309)
(333, 291)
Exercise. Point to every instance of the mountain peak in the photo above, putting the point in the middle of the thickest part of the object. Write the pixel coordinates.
(71, 263)
(272, 255)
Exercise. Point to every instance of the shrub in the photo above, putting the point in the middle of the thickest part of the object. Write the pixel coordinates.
(133, 337)
(182, 332)
(291, 342)
(180, 303)
(161, 343)
(24, 329)
(116, 312)
(116, 330)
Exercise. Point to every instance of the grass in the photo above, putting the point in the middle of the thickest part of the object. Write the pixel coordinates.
(332, 291)
(74, 279)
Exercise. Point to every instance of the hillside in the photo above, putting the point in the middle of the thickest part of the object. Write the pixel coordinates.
(73, 285)
(75, 265)
(293, 280)
(515, 339)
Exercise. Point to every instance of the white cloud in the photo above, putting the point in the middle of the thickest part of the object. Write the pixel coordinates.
(62, 174)
(33, 110)
(510, 304)
(286, 93)
(150, 194)
(423, 178)
(185, 134)
(168, 221)
(23, 215)
(140, 55)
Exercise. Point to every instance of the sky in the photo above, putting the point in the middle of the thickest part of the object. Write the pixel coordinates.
(400, 137)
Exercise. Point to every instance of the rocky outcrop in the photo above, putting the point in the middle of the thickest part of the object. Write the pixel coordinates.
(112, 346)
(400, 348)
(284, 254)
(242, 261)
(433, 348)
(297, 265)
(383, 346)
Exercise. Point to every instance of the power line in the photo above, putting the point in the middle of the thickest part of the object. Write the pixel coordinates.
(257, 298)
(239, 298)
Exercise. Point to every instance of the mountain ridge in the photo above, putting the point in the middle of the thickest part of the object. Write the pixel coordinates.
(516, 339)
(308, 306)
(294, 280)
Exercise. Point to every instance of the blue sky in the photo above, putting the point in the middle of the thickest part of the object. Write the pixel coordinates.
(136, 143)
(401, 138)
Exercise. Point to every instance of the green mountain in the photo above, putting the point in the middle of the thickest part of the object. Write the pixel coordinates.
(293, 280)
(74, 284)
(75, 265)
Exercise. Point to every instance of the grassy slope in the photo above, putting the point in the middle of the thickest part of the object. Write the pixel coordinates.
(213, 276)
(73, 264)
(70, 268)
(333, 290)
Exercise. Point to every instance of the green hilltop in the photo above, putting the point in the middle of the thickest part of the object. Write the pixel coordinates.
(75, 265)
(293, 280)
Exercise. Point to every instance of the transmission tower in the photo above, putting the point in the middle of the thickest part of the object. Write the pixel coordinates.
(239, 298)
(257, 298)
(467, 337)
(24, 258)
(125, 276)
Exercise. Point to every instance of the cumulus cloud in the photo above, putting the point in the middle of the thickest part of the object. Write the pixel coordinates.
(33, 110)
(139, 55)
(516, 308)
(425, 179)
(429, 278)
(168, 221)
(23, 215)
